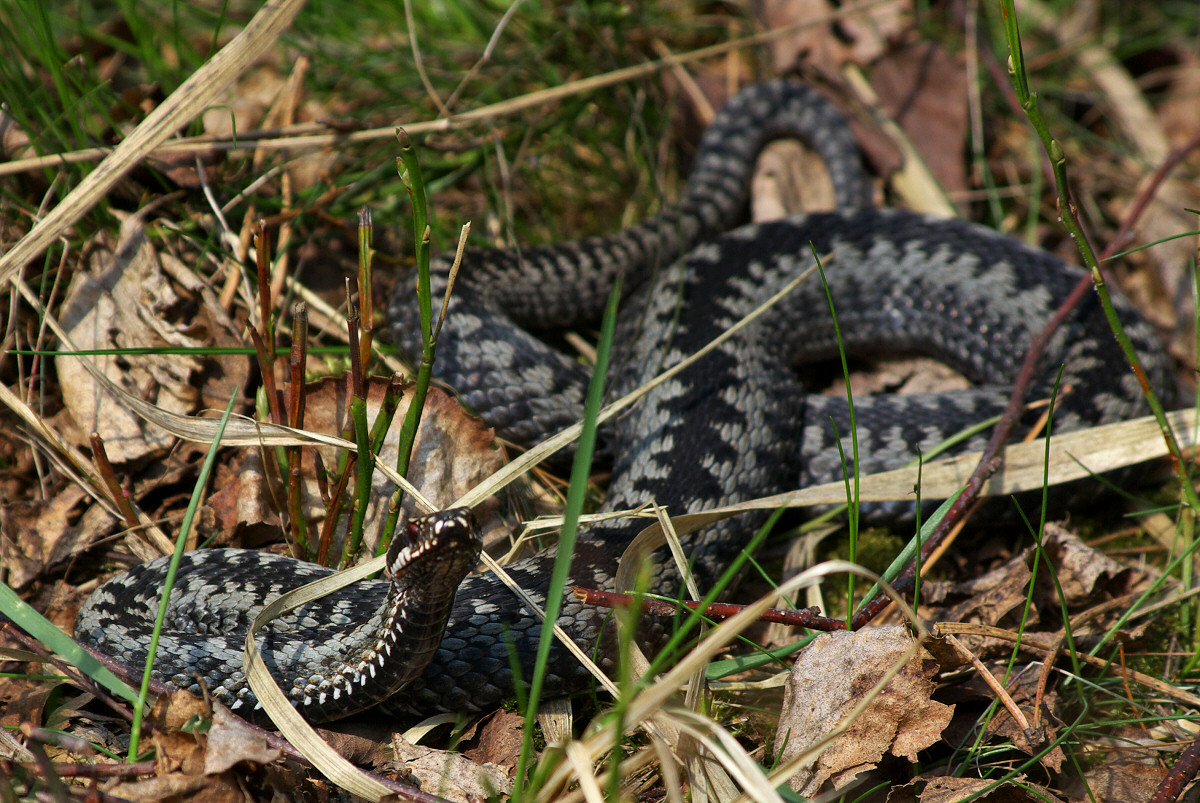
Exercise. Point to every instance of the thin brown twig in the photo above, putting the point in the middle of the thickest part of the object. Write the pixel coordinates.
(992, 682)
(71, 672)
(71, 769)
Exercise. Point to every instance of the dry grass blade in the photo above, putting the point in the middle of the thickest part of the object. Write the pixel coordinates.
(579, 760)
(307, 142)
(1073, 456)
(722, 759)
(651, 707)
(291, 725)
(190, 99)
(559, 633)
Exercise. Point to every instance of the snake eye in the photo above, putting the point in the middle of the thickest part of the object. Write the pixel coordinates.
(456, 523)
(412, 529)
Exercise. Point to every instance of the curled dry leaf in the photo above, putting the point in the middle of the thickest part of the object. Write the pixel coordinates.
(994, 598)
(127, 301)
(833, 675)
(1086, 575)
(64, 524)
(180, 758)
(451, 776)
(859, 35)
(230, 742)
(1132, 778)
(244, 505)
(789, 178)
(496, 740)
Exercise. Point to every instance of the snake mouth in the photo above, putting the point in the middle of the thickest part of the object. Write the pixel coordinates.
(435, 541)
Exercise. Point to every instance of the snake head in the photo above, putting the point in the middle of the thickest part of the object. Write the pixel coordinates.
(443, 544)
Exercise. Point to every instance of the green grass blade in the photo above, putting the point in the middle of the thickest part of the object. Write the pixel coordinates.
(185, 528)
(576, 493)
(45, 631)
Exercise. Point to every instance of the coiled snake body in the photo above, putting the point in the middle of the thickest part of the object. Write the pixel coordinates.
(734, 426)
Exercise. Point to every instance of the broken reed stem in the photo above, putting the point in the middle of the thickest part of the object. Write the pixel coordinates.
(387, 412)
(263, 334)
(366, 307)
(297, 363)
(409, 169)
(116, 493)
(333, 509)
(362, 439)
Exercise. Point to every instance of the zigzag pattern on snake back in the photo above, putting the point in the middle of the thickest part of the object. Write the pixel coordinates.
(738, 424)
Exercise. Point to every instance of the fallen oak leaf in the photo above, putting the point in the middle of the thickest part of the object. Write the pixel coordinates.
(832, 679)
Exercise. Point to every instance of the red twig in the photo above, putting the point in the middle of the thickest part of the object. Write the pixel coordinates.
(264, 340)
(297, 363)
(810, 618)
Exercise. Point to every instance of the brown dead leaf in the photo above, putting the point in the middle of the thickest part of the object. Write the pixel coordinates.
(245, 505)
(24, 701)
(101, 312)
(450, 775)
(1122, 778)
(831, 677)
(496, 740)
(897, 375)
(993, 598)
(65, 524)
(856, 37)
(230, 743)
(198, 766)
(178, 786)
(921, 87)
(1086, 575)
(789, 178)
(127, 301)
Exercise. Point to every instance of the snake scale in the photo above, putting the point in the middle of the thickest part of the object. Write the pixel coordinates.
(736, 425)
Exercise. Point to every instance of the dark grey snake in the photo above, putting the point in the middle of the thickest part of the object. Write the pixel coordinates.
(736, 425)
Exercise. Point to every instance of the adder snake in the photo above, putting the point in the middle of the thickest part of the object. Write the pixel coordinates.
(736, 425)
